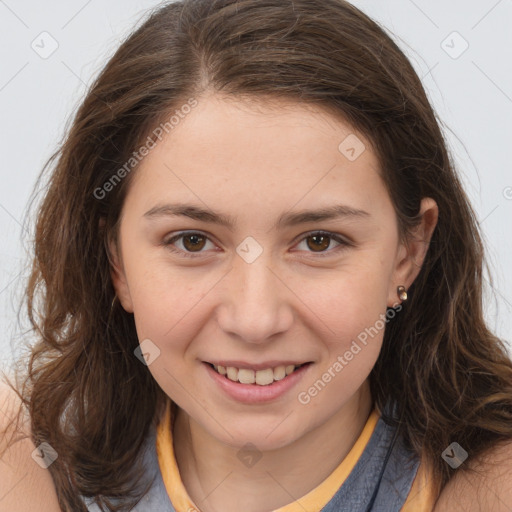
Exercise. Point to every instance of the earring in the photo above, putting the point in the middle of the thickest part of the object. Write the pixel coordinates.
(402, 293)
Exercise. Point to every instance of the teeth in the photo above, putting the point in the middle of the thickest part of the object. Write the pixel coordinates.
(265, 377)
(279, 373)
(246, 376)
(260, 377)
(232, 373)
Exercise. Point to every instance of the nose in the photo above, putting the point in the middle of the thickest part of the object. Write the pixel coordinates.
(255, 303)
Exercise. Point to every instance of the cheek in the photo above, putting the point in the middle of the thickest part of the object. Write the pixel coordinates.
(351, 347)
(350, 321)
(349, 299)
(162, 293)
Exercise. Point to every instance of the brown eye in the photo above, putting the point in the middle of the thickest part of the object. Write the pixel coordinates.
(319, 242)
(193, 242)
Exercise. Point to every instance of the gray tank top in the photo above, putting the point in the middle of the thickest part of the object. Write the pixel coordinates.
(353, 496)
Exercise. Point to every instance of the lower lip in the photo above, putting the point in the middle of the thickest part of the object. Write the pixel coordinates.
(254, 393)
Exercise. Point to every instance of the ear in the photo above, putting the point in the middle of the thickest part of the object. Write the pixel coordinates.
(411, 253)
(119, 277)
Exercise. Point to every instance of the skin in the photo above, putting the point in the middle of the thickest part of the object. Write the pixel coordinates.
(255, 161)
(488, 487)
(24, 485)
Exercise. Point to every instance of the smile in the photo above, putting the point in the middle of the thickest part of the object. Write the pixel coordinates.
(256, 383)
(263, 377)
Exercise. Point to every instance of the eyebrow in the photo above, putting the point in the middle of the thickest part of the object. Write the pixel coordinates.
(285, 220)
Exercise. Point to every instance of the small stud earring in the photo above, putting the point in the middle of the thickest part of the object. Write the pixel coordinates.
(402, 293)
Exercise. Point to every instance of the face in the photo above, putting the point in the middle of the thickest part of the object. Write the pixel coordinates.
(257, 283)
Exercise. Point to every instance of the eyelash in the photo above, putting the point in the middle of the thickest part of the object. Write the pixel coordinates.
(343, 243)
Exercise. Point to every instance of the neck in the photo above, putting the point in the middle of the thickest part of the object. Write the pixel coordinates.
(215, 480)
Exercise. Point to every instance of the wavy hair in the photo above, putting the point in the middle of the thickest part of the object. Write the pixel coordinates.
(450, 376)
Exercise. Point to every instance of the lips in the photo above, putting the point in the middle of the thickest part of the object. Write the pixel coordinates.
(252, 375)
(255, 394)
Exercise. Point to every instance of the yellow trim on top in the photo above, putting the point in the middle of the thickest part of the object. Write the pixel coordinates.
(316, 499)
(321, 495)
(169, 468)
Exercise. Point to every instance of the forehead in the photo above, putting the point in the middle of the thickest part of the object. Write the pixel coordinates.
(271, 130)
(253, 153)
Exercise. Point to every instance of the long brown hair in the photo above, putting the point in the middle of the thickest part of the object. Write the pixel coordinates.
(88, 396)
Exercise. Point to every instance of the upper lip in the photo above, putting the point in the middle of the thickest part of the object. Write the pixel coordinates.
(255, 366)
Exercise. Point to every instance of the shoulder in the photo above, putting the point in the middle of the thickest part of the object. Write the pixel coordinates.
(488, 487)
(24, 484)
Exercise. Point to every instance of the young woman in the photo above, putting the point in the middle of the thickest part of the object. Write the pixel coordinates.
(257, 283)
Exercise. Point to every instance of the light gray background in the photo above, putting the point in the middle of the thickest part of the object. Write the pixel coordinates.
(471, 91)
